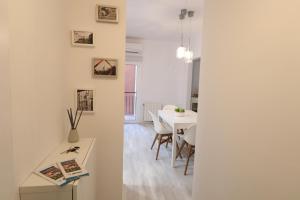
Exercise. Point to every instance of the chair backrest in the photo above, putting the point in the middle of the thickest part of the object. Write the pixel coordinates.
(190, 135)
(169, 107)
(158, 127)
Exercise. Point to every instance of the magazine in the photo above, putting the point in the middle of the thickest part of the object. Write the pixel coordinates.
(71, 169)
(52, 173)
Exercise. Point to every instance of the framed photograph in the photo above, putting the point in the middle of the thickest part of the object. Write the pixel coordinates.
(85, 100)
(107, 14)
(105, 68)
(82, 38)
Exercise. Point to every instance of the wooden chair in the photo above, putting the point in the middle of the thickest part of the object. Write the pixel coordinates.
(189, 140)
(163, 134)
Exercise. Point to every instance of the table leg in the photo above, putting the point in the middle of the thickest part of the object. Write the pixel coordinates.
(174, 149)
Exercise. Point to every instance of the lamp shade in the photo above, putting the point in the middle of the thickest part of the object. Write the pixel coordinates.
(180, 53)
(188, 56)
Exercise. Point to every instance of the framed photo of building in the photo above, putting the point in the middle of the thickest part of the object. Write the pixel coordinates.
(82, 38)
(105, 68)
(85, 100)
(108, 14)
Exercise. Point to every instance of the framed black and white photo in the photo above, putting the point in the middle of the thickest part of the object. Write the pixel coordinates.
(107, 14)
(82, 38)
(85, 100)
(105, 68)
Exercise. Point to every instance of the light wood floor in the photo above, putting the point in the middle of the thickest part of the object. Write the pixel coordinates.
(146, 178)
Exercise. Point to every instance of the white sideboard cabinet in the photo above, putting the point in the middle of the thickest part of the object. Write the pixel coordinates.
(37, 188)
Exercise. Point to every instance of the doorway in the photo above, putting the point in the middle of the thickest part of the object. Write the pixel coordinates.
(130, 92)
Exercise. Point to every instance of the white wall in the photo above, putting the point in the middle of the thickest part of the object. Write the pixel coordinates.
(161, 77)
(248, 127)
(36, 81)
(6, 154)
(39, 70)
(106, 124)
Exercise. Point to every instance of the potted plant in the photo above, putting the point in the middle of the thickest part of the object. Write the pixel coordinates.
(180, 112)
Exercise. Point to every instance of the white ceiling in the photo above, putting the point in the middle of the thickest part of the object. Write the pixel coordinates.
(158, 19)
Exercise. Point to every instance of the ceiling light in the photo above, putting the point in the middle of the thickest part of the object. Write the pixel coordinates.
(188, 56)
(180, 53)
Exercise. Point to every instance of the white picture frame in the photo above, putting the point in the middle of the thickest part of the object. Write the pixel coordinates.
(107, 14)
(83, 38)
(85, 99)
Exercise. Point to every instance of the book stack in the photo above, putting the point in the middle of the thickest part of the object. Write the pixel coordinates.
(62, 172)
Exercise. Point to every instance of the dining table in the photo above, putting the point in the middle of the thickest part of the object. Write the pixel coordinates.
(176, 123)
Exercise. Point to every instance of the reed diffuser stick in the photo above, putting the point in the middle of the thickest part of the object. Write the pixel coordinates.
(70, 118)
(78, 119)
(75, 115)
(74, 121)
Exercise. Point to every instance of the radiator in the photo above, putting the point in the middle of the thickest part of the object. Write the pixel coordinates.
(152, 107)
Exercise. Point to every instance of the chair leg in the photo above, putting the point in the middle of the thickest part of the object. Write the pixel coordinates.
(190, 150)
(154, 141)
(159, 143)
(168, 141)
(179, 153)
(180, 149)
